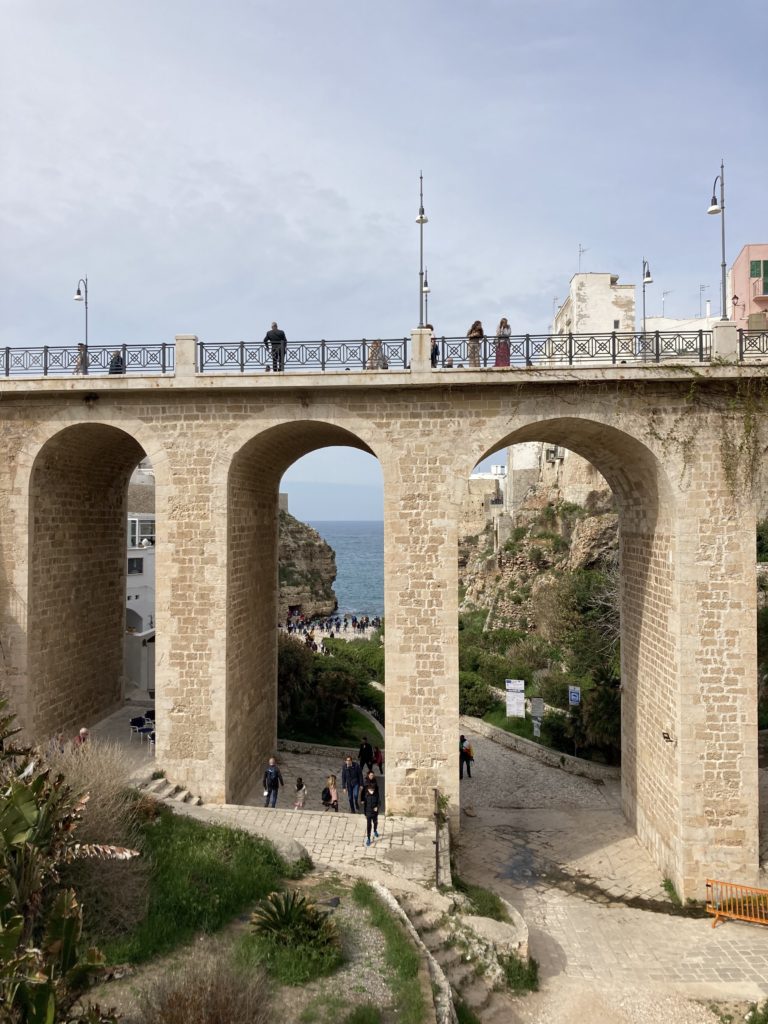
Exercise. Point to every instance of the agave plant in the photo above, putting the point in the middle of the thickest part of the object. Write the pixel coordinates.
(290, 919)
(43, 970)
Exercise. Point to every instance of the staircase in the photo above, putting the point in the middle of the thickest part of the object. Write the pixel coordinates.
(470, 965)
(162, 789)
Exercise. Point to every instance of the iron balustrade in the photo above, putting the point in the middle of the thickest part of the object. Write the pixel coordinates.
(752, 344)
(51, 360)
(256, 356)
(541, 350)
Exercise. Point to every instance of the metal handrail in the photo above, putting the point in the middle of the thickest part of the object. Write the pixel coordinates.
(256, 356)
(543, 350)
(752, 344)
(60, 360)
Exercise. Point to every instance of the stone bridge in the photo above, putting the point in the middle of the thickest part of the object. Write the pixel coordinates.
(219, 445)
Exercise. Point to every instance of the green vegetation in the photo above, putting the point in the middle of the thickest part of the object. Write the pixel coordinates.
(669, 888)
(400, 956)
(521, 975)
(464, 1014)
(759, 1015)
(352, 727)
(762, 541)
(365, 1014)
(292, 939)
(202, 876)
(484, 902)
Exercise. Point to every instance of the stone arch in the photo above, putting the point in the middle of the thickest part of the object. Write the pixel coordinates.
(653, 702)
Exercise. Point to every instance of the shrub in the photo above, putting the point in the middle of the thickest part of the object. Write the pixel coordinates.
(536, 557)
(114, 894)
(475, 697)
(484, 902)
(521, 975)
(293, 939)
(365, 1014)
(206, 993)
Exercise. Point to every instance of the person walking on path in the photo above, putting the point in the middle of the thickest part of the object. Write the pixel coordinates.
(365, 754)
(276, 343)
(301, 795)
(475, 335)
(465, 757)
(330, 795)
(378, 760)
(351, 781)
(370, 803)
(273, 780)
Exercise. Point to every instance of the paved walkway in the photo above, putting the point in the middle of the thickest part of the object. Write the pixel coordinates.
(551, 843)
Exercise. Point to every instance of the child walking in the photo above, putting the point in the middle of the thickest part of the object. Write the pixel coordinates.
(301, 794)
(330, 795)
(371, 808)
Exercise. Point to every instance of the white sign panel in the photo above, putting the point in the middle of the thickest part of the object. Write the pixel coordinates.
(574, 695)
(537, 708)
(515, 697)
(537, 727)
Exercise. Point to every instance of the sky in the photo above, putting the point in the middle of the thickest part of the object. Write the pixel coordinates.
(214, 166)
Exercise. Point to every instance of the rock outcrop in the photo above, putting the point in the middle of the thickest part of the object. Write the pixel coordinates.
(307, 570)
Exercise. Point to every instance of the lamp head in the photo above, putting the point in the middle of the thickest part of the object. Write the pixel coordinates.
(647, 279)
(714, 206)
(422, 219)
(78, 296)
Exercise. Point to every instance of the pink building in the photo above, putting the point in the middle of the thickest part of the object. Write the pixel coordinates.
(749, 287)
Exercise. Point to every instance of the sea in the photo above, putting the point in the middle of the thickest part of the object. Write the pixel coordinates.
(359, 548)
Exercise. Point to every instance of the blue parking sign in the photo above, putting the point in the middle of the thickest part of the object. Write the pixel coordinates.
(574, 695)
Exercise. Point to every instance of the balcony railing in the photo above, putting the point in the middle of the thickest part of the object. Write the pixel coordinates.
(256, 356)
(752, 345)
(50, 360)
(545, 350)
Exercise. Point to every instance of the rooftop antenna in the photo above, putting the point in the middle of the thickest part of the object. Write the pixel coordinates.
(582, 250)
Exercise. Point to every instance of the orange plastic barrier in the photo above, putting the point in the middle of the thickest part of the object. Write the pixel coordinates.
(739, 902)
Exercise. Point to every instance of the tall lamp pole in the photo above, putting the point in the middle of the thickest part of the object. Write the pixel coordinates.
(80, 294)
(715, 207)
(647, 279)
(425, 292)
(421, 220)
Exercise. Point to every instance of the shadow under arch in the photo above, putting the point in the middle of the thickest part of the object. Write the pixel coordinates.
(253, 482)
(78, 488)
(652, 700)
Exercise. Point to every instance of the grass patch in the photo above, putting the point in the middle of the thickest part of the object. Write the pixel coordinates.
(399, 954)
(204, 992)
(464, 1014)
(355, 726)
(484, 902)
(519, 726)
(521, 975)
(202, 876)
(295, 964)
(365, 1014)
(669, 888)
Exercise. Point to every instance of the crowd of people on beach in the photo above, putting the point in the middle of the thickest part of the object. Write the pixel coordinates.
(358, 783)
(334, 627)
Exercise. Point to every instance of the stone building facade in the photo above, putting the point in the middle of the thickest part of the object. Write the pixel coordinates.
(219, 446)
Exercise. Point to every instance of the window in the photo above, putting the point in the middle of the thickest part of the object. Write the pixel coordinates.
(139, 530)
(754, 268)
(616, 324)
(135, 566)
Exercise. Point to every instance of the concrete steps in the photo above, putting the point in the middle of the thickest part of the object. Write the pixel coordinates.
(162, 789)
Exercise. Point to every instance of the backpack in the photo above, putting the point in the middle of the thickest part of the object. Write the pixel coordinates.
(325, 796)
(271, 776)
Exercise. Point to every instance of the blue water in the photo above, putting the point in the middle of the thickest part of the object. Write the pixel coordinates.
(359, 548)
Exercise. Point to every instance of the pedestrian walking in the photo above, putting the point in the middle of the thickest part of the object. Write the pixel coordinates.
(330, 794)
(465, 757)
(371, 810)
(503, 334)
(378, 760)
(273, 780)
(301, 795)
(365, 754)
(475, 335)
(276, 344)
(351, 781)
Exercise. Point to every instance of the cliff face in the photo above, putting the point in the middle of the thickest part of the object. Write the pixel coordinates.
(307, 570)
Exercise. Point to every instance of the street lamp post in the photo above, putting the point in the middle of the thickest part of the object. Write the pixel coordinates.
(647, 279)
(79, 295)
(421, 220)
(714, 208)
(425, 292)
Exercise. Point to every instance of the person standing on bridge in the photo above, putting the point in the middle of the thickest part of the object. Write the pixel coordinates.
(475, 335)
(277, 344)
(503, 334)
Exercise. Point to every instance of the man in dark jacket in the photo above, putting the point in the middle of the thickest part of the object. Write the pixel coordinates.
(276, 343)
(272, 782)
(365, 756)
(351, 781)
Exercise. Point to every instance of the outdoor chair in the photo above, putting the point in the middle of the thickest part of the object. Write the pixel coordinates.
(137, 724)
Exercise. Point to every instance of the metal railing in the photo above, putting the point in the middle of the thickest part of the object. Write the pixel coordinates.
(752, 344)
(738, 902)
(256, 356)
(50, 360)
(540, 350)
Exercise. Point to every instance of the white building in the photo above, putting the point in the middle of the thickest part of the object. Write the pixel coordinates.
(139, 645)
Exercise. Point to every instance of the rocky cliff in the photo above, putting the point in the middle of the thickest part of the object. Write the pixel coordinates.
(307, 570)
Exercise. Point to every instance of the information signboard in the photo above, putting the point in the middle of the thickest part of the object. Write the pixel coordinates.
(574, 695)
(515, 697)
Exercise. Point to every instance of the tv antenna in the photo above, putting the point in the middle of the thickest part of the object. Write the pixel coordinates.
(582, 250)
